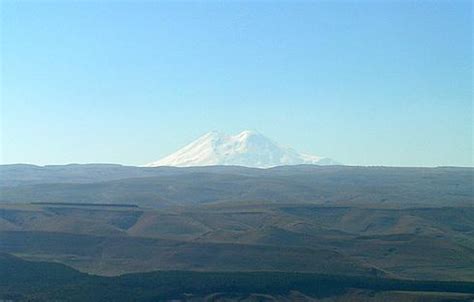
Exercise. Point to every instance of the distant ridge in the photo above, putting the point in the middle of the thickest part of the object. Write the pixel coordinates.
(84, 204)
(248, 148)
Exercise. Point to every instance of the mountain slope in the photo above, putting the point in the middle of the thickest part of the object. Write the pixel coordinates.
(248, 148)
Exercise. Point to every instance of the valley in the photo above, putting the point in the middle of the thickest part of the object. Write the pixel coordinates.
(351, 222)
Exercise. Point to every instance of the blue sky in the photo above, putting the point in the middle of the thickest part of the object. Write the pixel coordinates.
(365, 83)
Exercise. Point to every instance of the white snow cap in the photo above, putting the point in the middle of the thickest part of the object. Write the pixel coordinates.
(248, 148)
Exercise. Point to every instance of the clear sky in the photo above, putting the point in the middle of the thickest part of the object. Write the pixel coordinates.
(365, 83)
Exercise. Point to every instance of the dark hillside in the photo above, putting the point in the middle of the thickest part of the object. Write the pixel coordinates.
(40, 281)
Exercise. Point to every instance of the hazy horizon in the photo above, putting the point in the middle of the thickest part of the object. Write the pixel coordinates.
(213, 131)
(364, 83)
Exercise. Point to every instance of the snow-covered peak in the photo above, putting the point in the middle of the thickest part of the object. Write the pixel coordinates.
(248, 148)
(247, 133)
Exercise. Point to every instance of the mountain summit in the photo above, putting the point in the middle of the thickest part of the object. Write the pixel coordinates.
(248, 148)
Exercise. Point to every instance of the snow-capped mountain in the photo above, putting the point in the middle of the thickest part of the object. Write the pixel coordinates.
(248, 148)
